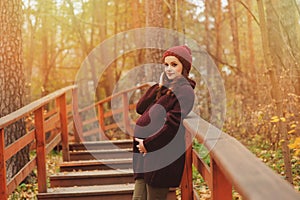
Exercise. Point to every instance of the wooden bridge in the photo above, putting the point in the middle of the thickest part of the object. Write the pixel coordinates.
(103, 169)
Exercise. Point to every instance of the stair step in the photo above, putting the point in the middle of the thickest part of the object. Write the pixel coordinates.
(103, 192)
(88, 165)
(100, 145)
(100, 154)
(86, 178)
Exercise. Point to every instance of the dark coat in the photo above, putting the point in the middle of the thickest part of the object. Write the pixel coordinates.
(161, 127)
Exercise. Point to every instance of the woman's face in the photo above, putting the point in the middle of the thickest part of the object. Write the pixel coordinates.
(173, 67)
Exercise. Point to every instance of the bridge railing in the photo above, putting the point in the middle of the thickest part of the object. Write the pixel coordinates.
(47, 118)
(231, 166)
(105, 115)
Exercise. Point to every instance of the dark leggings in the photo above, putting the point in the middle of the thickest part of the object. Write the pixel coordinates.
(143, 191)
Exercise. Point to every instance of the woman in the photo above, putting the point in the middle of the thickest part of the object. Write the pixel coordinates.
(159, 142)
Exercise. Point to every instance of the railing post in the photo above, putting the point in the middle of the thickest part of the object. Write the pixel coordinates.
(76, 117)
(101, 121)
(221, 187)
(3, 187)
(187, 177)
(40, 149)
(61, 103)
(126, 120)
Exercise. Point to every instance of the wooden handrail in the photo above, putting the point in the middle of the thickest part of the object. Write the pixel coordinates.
(102, 115)
(18, 114)
(232, 165)
(42, 123)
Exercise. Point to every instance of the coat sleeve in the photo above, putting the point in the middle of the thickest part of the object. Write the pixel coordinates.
(146, 99)
(174, 118)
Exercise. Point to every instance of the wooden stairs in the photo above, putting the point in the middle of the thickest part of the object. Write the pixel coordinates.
(97, 170)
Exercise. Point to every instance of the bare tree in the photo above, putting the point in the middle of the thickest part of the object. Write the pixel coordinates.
(276, 92)
(234, 30)
(251, 59)
(218, 23)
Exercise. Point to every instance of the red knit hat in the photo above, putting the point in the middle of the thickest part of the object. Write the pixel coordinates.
(183, 53)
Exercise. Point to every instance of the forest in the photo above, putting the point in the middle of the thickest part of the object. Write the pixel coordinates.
(254, 45)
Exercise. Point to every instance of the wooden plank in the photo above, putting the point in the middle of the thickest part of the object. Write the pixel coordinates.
(77, 124)
(52, 123)
(103, 192)
(132, 106)
(149, 84)
(98, 145)
(61, 103)
(115, 111)
(187, 177)
(22, 112)
(221, 187)
(100, 190)
(19, 144)
(91, 132)
(53, 143)
(119, 110)
(86, 178)
(98, 173)
(40, 149)
(3, 188)
(112, 112)
(21, 175)
(89, 107)
(101, 121)
(111, 126)
(96, 162)
(101, 154)
(202, 168)
(89, 121)
(96, 165)
(50, 113)
(126, 118)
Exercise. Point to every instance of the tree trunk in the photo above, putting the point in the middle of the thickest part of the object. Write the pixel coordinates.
(45, 50)
(29, 55)
(12, 82)
(218, 33)
(101, 18)
(251, 59)
(154, 16)
(275, 90)
(207, 13)
(234, 30)
(287, 12)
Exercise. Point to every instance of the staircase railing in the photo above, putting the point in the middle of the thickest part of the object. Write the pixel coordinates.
(105, 113)
(231, 166)
(47, 118)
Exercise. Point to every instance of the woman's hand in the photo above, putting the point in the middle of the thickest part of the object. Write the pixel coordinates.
(141, 146)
